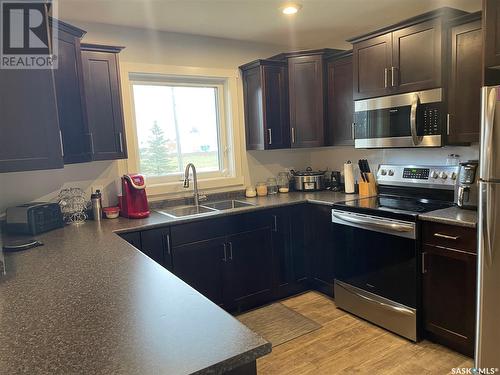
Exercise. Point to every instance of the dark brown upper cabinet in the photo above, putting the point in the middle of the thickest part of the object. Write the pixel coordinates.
(371, 63)
(265, 92)
(70, 94)
(405, 57)
(103, 100)
(491, 42)
(340, 105)
(465, 79)
(29, 128)
(306, 77)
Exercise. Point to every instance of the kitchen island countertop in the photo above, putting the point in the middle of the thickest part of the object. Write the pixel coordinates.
(89, 302)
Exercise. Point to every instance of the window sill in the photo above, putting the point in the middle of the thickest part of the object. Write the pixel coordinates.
(175, 189)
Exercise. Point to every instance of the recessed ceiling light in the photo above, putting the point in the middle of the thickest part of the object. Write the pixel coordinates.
(291, 9)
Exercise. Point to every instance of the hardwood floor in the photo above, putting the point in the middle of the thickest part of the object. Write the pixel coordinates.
(348, 345)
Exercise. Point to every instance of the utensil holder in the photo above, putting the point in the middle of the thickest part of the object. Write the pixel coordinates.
(368, 189)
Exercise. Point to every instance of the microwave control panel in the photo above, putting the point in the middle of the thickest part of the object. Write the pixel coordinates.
(431, 119)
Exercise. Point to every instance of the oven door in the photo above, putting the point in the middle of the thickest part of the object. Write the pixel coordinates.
(406, 120)
(375, 263)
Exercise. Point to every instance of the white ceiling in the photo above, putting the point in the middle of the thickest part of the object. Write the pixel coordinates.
(320, 23)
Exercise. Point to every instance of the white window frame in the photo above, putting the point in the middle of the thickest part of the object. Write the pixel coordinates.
(230, 174)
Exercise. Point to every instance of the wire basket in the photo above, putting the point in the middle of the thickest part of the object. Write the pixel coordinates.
(74, 205)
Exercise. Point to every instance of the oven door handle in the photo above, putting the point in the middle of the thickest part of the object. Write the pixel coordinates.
(413, 120)
(375, 223)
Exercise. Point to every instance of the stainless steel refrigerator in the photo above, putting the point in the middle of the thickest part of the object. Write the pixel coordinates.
(488, 306)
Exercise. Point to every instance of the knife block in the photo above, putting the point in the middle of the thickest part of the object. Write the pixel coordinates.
(368, 189)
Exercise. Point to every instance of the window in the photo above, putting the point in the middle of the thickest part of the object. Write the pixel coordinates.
(179, 121)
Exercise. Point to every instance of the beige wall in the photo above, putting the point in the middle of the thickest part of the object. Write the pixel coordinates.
(146, 46)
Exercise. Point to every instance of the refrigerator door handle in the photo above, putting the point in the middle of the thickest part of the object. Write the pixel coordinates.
(488, 222)
(487, 147)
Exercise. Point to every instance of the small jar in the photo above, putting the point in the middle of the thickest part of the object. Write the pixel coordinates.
(272, 186)
(261, 189)
(250, 192)
(283, 182)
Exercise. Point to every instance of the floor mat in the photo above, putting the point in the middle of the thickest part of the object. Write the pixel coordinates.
(277, 323)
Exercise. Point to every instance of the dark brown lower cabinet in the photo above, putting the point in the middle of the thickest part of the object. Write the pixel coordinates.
(155, 243)
(320, 249)
(449, 285)
(133, 238)
(248, 269)
(200, 264)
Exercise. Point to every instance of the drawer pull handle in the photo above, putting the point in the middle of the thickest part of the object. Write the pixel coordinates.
(441, 235)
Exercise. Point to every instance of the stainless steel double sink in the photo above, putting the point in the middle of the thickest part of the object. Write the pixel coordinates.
(211, 207)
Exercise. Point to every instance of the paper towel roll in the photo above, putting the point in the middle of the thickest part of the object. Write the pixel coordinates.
(348, 177)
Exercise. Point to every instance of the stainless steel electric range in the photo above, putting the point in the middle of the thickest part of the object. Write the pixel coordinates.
(376, 245)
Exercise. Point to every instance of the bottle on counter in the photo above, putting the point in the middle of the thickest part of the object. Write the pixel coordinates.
(250, 192)
(96, 199)
(261, 189)
(283, 182)
(272, 186)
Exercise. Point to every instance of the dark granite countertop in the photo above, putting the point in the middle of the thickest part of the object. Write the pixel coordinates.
(88, 302)
(452, 215)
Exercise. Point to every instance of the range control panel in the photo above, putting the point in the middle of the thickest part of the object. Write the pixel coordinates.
(443, 176)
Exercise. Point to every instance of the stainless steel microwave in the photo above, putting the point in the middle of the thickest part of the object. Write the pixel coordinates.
(406, 120)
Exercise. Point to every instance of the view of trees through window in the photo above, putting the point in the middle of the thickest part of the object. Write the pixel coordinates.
(176, 125)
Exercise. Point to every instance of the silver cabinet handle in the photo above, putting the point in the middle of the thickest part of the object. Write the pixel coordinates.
(61, 143)
(225, 252)
(167, 243)
(293, 135)
(446, 236)
(275, 229)
(423, 263)
(353, 131)
(230, 251)
(386, 73)
(447, 124)
(270, 133)
(92, 150)
(120, 137)
(393, 80)
(413, 119)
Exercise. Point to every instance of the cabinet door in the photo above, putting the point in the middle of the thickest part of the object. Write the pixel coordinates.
(300, 266)
(491, 22)
(254, 115)
(104, 105)
(416, 61)
(306, 93)
(339, 130)
(275, 92)
(29, 130)
(449, 297)
(71, 100)
(371, 62)
(320, 240)
(248, 270)
(200, 265)
(133, 238)
(156, 244)
(465, 83)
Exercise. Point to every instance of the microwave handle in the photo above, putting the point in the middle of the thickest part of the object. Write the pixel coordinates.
(413, 120)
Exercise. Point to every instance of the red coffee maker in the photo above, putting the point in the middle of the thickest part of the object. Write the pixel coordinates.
(134, 201)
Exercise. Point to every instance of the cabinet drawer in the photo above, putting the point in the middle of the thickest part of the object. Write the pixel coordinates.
(450, 236)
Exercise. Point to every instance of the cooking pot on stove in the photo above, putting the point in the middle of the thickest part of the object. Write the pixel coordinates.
(308, 180)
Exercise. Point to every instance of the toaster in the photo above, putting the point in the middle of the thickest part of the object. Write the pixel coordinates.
(33, 218)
